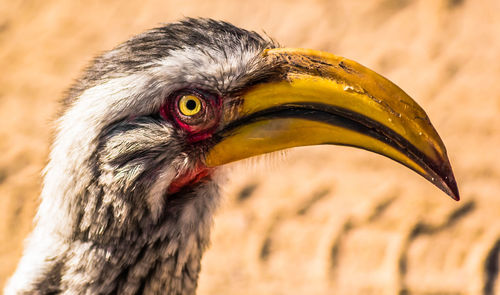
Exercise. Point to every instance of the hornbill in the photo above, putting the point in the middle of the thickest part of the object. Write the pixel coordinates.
(130, 188)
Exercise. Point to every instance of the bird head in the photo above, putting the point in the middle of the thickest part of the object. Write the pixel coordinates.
(160, 112)
(142, 132)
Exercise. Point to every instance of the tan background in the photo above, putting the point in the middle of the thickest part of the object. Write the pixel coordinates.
(326, 220)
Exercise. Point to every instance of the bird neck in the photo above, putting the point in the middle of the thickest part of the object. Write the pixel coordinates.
(119, 249)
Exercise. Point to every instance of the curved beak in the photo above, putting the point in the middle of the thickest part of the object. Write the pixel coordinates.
(319, 98)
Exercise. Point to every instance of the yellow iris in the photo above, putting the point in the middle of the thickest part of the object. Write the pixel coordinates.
(189, 105)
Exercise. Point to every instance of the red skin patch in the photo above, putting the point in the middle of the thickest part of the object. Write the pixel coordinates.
(201, 130)
(189, 179)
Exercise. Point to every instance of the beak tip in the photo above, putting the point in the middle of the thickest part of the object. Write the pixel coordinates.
(449, 184)
(453, 188)
(442, 176)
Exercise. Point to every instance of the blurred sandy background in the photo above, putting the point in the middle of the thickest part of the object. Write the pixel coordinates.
(326, 220)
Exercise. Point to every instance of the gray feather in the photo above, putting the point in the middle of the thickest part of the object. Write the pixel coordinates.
(106, 223)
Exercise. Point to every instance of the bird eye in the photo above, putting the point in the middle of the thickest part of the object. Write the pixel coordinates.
(189, 105)
(195, 111)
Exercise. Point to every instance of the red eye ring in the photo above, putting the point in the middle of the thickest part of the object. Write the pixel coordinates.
(199, 123)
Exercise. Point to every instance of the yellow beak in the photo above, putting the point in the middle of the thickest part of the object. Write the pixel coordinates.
(320, 98)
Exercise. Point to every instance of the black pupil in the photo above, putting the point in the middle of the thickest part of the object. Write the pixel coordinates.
(191, 105)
